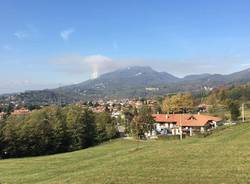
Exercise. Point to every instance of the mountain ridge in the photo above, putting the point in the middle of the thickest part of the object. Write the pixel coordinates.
(131, 82)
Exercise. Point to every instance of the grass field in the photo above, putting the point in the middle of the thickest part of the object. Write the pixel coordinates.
(223, 157)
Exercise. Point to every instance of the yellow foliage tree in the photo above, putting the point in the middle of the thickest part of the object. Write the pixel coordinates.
(180, 103)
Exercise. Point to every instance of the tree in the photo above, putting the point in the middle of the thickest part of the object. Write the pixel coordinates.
(80, 123)
(44, 132)
(74, 119)
(234, 109)
(178, 103)
(212, 100)
(142, 123)
(37, 134)
(61, 137)
(2, 123)
(166, 105)
(9, 108)
(53, 130)
(10, 139)
(128, 117)
(105, 127)
(90, 128)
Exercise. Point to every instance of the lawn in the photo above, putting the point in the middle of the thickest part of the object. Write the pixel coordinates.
(223, 157)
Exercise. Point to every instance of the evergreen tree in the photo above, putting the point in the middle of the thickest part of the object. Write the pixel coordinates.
(234, 110)
(74, 119)
(105, 127)
(90, 128)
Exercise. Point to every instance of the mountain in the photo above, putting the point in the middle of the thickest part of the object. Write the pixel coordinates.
(136, 76)
(136, 81)
(126, 82)
(215, 80)
(196, 77)
(242, 76)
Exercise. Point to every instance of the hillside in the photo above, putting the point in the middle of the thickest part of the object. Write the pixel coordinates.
(134, 82)
(128, 83)
(220, 158)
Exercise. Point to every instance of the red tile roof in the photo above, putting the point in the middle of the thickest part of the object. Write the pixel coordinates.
(20, 112)
(185, 119)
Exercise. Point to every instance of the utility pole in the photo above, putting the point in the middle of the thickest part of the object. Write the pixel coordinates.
(243, 112)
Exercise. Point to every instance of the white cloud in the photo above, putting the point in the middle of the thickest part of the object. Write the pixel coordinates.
(27, 32)
(21, 35)
(65, 34)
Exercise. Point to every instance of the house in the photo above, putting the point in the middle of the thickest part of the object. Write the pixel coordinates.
(22, 111)
(189, 123)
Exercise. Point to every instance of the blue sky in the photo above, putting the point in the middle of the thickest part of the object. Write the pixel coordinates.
(46, 43)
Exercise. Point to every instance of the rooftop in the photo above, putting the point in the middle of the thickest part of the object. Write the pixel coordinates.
(185, 119)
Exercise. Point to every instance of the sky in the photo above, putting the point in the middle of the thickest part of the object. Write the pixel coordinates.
(46, 44)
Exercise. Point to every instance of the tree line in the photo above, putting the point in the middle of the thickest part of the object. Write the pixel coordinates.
(230, 98)
(54, 130)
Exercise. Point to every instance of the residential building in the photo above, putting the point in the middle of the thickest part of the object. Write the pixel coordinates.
(175, 123)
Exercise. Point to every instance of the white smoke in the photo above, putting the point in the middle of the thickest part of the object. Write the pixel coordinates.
(95, 65)
(99, 64)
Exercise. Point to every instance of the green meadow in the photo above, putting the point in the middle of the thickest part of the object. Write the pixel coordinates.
(223, 157)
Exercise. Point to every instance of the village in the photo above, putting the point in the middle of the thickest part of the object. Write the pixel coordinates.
(165, 124)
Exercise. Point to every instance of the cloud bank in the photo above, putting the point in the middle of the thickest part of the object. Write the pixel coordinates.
(95, 65)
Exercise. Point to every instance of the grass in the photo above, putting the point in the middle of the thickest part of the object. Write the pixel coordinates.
(223, 157)
(247, 114)
(218, 112)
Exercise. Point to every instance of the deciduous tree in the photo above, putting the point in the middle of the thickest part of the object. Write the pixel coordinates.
(178, 103)
(142, 123)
